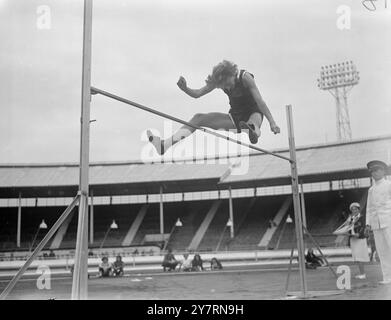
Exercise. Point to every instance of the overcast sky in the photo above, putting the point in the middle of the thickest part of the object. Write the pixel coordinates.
(140, 48)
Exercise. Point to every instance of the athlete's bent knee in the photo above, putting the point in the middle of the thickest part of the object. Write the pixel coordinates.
(198, 119)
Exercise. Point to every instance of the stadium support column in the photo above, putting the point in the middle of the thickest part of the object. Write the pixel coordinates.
(19, 222)
(80, 274)
(231, 213)
(161, 214)
(303, 212)
(92, 218)
(296, 202)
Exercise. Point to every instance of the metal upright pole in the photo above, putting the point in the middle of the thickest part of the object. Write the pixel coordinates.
(169, 237)
(104, 239)
(19, 222)
(80, 274)
(92, 218)
(231, 213)
(296, 202)
(35, 238)
(289, 269)
(221, 238)
(303, 212)
(338, 112)
(161, 213)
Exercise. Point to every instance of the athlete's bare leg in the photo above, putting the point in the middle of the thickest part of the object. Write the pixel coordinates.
(213, 120)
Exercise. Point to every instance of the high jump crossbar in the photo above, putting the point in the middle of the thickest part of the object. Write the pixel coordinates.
(167, 116)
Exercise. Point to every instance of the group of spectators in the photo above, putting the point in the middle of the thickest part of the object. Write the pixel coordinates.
(107, 269)
(115, 269)
(170, 263)
(51, 255)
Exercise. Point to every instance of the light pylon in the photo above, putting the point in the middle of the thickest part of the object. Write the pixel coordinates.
(339, 79)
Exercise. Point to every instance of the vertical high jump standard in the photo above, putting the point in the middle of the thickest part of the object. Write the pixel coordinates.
(80, 274)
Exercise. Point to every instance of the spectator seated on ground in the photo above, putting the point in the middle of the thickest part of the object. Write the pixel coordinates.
(215, 264)
(118, 267)
(187, 263)
(197, 263)
(169, 261)
(312, 261)
(105, 268)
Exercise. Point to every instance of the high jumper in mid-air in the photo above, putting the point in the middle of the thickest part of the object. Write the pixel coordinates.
(247, 107)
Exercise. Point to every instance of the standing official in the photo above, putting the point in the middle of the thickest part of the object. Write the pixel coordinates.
(378, 215)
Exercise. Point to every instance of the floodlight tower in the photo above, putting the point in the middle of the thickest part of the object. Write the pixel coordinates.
(339, 79)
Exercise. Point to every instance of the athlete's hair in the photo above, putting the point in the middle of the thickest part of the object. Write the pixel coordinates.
(221, 72)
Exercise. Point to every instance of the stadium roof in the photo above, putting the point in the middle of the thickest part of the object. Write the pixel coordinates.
(315, 163)
(108, 179)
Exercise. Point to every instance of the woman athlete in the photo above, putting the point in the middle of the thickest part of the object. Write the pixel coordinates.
(246, 112)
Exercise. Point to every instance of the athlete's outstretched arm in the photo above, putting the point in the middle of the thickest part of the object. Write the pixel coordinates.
(195, 93)
(249, 82)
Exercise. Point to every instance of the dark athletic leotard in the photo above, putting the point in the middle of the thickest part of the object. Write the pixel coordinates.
(241, 101)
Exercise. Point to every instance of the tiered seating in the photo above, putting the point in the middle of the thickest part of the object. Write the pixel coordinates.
(8, 221)
(69, 240)
(191, 218)
(31, 218)
(103, 217)
(256, 223)
(241, 208)
(123, 215)
(216, 228)
(151, 223)
(323, 211)
(318, 212)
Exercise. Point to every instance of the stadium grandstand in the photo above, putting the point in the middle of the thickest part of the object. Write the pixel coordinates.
(146, 200)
